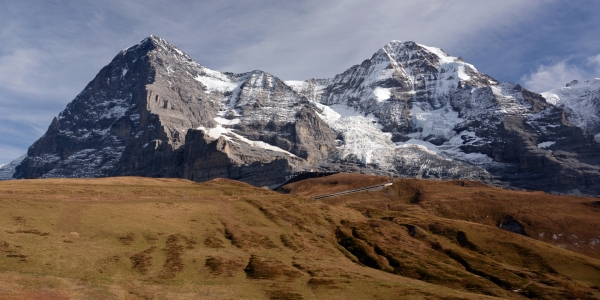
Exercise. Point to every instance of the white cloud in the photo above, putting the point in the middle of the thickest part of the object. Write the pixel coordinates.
(17, 67)
(595, 62)
(10, 153)
(548, 77)
(329, 37)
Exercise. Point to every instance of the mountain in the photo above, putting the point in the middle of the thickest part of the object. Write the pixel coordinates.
(410, 110)
(581, 102)
(7, 170)
(153, 111)
(424, 98)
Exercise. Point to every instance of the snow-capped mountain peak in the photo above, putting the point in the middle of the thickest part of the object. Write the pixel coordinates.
(409, 110)
(581, 102)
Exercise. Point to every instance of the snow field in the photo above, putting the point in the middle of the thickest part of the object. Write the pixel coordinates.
(229, 135)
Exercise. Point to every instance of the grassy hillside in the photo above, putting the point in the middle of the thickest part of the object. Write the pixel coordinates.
(424, 228)
(567, 222)
(140, 238)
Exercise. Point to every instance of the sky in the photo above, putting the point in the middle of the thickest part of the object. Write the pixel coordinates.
(50, 50)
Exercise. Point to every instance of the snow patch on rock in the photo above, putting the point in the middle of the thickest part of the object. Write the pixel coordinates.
(216, 132)
(439, 122)
(7, 170)
(510, 101)
(362, 137)
(381, 94)
(228, 134)
(295, 84)
(419, 144)
(581, 102)
(545, 144)
(216, 84)
(224, 121)
(117, 111)
(452, 62)
(460, 71)
(215, 81)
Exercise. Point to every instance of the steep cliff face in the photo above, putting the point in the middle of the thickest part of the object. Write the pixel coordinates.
(409, 110)
(87, 139)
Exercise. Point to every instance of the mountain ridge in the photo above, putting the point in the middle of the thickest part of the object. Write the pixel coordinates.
(581, 102)
(410, 110)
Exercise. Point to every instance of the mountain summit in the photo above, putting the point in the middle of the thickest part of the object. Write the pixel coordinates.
(581, 102)
(153, 111)
(409, 110)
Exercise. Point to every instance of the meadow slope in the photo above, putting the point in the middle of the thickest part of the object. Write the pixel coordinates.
(142, 238)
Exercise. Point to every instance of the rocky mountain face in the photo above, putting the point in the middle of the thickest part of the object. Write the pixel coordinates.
(424, 98)
(581, 102)
(409, 110)
(7, 170)
(153, 111)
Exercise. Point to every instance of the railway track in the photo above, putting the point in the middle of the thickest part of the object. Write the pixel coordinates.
(364, 189)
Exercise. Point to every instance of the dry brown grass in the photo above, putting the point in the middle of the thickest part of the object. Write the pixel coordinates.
(333, 184)
(214, 242)
(277, 294)
(223, 266)
(269, 268)
(565, 221)
(446, 233)
(127, 239)
(173, 263)
(142, 260)
(141, 238)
